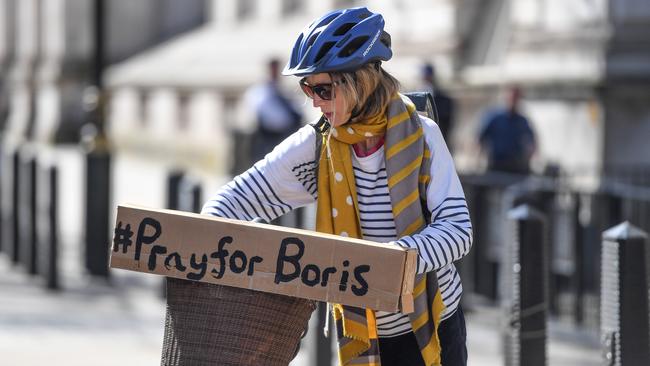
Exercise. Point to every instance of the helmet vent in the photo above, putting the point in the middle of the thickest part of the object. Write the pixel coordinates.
(312, 39)
(364, 15)
(353, 46)
(343, 29)
(323, 50)
(329, 19)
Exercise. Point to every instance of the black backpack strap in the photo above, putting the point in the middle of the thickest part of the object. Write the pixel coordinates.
(423, 103)
(321, 126)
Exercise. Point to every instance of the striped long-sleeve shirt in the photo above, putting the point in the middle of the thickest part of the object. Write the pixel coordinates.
(286, 179)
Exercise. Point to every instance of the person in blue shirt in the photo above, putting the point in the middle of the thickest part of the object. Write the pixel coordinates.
(507, 137)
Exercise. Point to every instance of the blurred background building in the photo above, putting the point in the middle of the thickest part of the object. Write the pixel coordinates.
(582, 66)
(157, 86)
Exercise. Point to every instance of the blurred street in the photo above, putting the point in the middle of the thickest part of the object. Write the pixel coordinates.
(88, 323)
(121, 323)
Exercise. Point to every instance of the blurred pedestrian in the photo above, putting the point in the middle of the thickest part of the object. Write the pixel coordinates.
(277, 117)
(443, 103)
(507, 137)
(378, 171)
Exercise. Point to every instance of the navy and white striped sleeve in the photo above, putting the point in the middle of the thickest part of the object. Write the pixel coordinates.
(448, 237)
(282, 181)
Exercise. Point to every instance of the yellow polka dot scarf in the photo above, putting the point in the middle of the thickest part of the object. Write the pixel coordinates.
(407, 164)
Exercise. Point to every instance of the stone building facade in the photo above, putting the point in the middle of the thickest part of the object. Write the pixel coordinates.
(177, 74)
(582, 65)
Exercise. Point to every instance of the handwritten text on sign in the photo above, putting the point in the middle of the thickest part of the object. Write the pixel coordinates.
(287, 266)
(261, 257)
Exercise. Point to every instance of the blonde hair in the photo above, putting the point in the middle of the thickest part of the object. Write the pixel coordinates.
(367, 90)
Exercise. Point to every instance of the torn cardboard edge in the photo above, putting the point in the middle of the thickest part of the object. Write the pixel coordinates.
(406, 297)
(264, 257)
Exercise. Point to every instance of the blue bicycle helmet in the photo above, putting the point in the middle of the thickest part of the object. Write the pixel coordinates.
(342, 40)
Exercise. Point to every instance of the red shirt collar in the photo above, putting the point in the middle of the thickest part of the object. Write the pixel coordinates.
(360, 153)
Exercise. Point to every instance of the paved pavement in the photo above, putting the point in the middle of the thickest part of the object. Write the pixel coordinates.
(94, 322)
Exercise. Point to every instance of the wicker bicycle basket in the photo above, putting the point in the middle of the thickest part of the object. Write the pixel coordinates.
(209, 324)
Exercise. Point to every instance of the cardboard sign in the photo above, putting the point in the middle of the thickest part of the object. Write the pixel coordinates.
(264, 257)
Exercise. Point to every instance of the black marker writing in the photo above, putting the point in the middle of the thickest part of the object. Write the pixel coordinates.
(122, 237)
(288, 268)
(156, 249)
(288, 262)
(221, 255)
(358, 271)
(293, 260)
(202, 267)
(146, 239)
(178, 264)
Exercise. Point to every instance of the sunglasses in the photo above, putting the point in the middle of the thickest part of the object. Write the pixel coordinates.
(324, 91)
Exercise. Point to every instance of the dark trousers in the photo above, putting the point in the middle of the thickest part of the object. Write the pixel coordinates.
(404, 351)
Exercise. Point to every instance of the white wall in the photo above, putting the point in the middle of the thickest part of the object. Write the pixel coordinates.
(568, 132)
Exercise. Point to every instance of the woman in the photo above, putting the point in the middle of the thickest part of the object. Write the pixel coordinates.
(382, 173)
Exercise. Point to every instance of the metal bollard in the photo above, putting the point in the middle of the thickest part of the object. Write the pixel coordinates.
(189, 195)
(323, 343)
(52, 274)
(183, 193)
(484, 271)
(3, 172)
(27, 215)
(578, 280)
(173, 183)
(6, 206)
(197, 200)
(525, 338)
(33, 234)
(97, 212)
(624, 328)
(14, 239)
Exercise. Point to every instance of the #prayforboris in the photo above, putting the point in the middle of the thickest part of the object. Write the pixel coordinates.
(288, 266)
